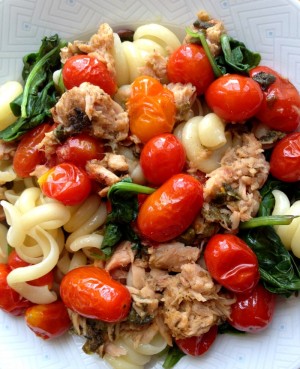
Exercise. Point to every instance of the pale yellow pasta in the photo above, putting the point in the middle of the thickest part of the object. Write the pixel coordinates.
(211, 130)
(70, 261)
(3, 244)
(148, 46)
(135, 357)
(134, 59)
(7, 173)
(121, 64)
(8, 92)
(88, 240)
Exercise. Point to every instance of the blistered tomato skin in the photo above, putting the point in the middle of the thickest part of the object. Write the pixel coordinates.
(285, 158)
(171, 209)
(231, 262)
(91, 292)
(48, 321)
(252, 312)
(280, 108)
(161, 158)
(234, 98)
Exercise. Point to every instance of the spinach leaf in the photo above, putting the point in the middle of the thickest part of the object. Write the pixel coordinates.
(236, 57)
(174, 354)
(39, 94)
(123, 198)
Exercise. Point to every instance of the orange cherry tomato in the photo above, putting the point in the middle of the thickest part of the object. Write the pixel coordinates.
(151, 109)
(231, 262)
(196, 346)
(48, 321)
(91, 292)
(171, 209)
(28, 156)
(86, 68)
(79, 149)
(10, 300)
(281, 100)
(162, 157)
(234, 98)
(189, 64)
(253, 311)
(66, 183)
(14, 261)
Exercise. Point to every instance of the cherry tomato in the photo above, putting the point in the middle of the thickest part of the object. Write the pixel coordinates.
(234, 98)
(66, 183)
(231, 262)
(28, 156)
(171, 209)
(285, 158)
(197, 346)
(253, 311)
(79, 149)
(189, 64)
(151, 109)
(10, 300)
(48, 320)
(86, 68)
(280, 108)
(162, 157)
(91, 292)
(14, 261)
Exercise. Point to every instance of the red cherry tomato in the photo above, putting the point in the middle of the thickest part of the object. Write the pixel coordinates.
(14, 261)
(231, 262)
(171, 209)
(79, 149)
(28, 156)
(253, 311)
(10, 300)
(197, 346)
(66, 183)
(48, 320)
(280, 108)
(285, 158)
(234, 98)
(162, 157)
(85, 68)
(151, 108)
(91, 292)
(189, 64)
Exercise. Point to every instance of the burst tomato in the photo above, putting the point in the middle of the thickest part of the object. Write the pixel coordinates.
(253, 311)
(189, 64)
(231, 262)
(86, 68)
(14, 261)
(197, 346)
(151, 109)
(285, 158)
(28, 156)
(91, 292)
(79, 149)
(280, 108)
(161, 158)
(66, 183)
(10, 300)
(48, 320)
(171, 209)
(234, 98)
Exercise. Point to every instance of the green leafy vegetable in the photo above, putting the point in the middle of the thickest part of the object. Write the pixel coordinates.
(123, 197)
(268, 221)
(174, 354)
(39, 94)
(225, 328)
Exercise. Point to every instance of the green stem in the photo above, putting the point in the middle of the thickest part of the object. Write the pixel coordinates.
(129, 187)
(269, 220)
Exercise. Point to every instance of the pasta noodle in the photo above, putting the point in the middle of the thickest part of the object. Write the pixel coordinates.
(136, 356)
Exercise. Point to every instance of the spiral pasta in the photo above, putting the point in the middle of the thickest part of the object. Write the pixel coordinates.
(289, 234)
(131, 56)
(136, 356)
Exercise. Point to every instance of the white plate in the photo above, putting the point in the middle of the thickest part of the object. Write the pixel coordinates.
(268, 26)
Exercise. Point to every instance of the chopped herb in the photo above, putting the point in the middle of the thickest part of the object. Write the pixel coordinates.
(264, 79)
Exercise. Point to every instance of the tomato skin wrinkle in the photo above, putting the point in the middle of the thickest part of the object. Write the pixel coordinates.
(231, 262)
(170, 210)
(91, 292)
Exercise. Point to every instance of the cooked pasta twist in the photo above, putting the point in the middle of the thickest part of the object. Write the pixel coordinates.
(136, 356)
(131, 56)
(289, 234)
